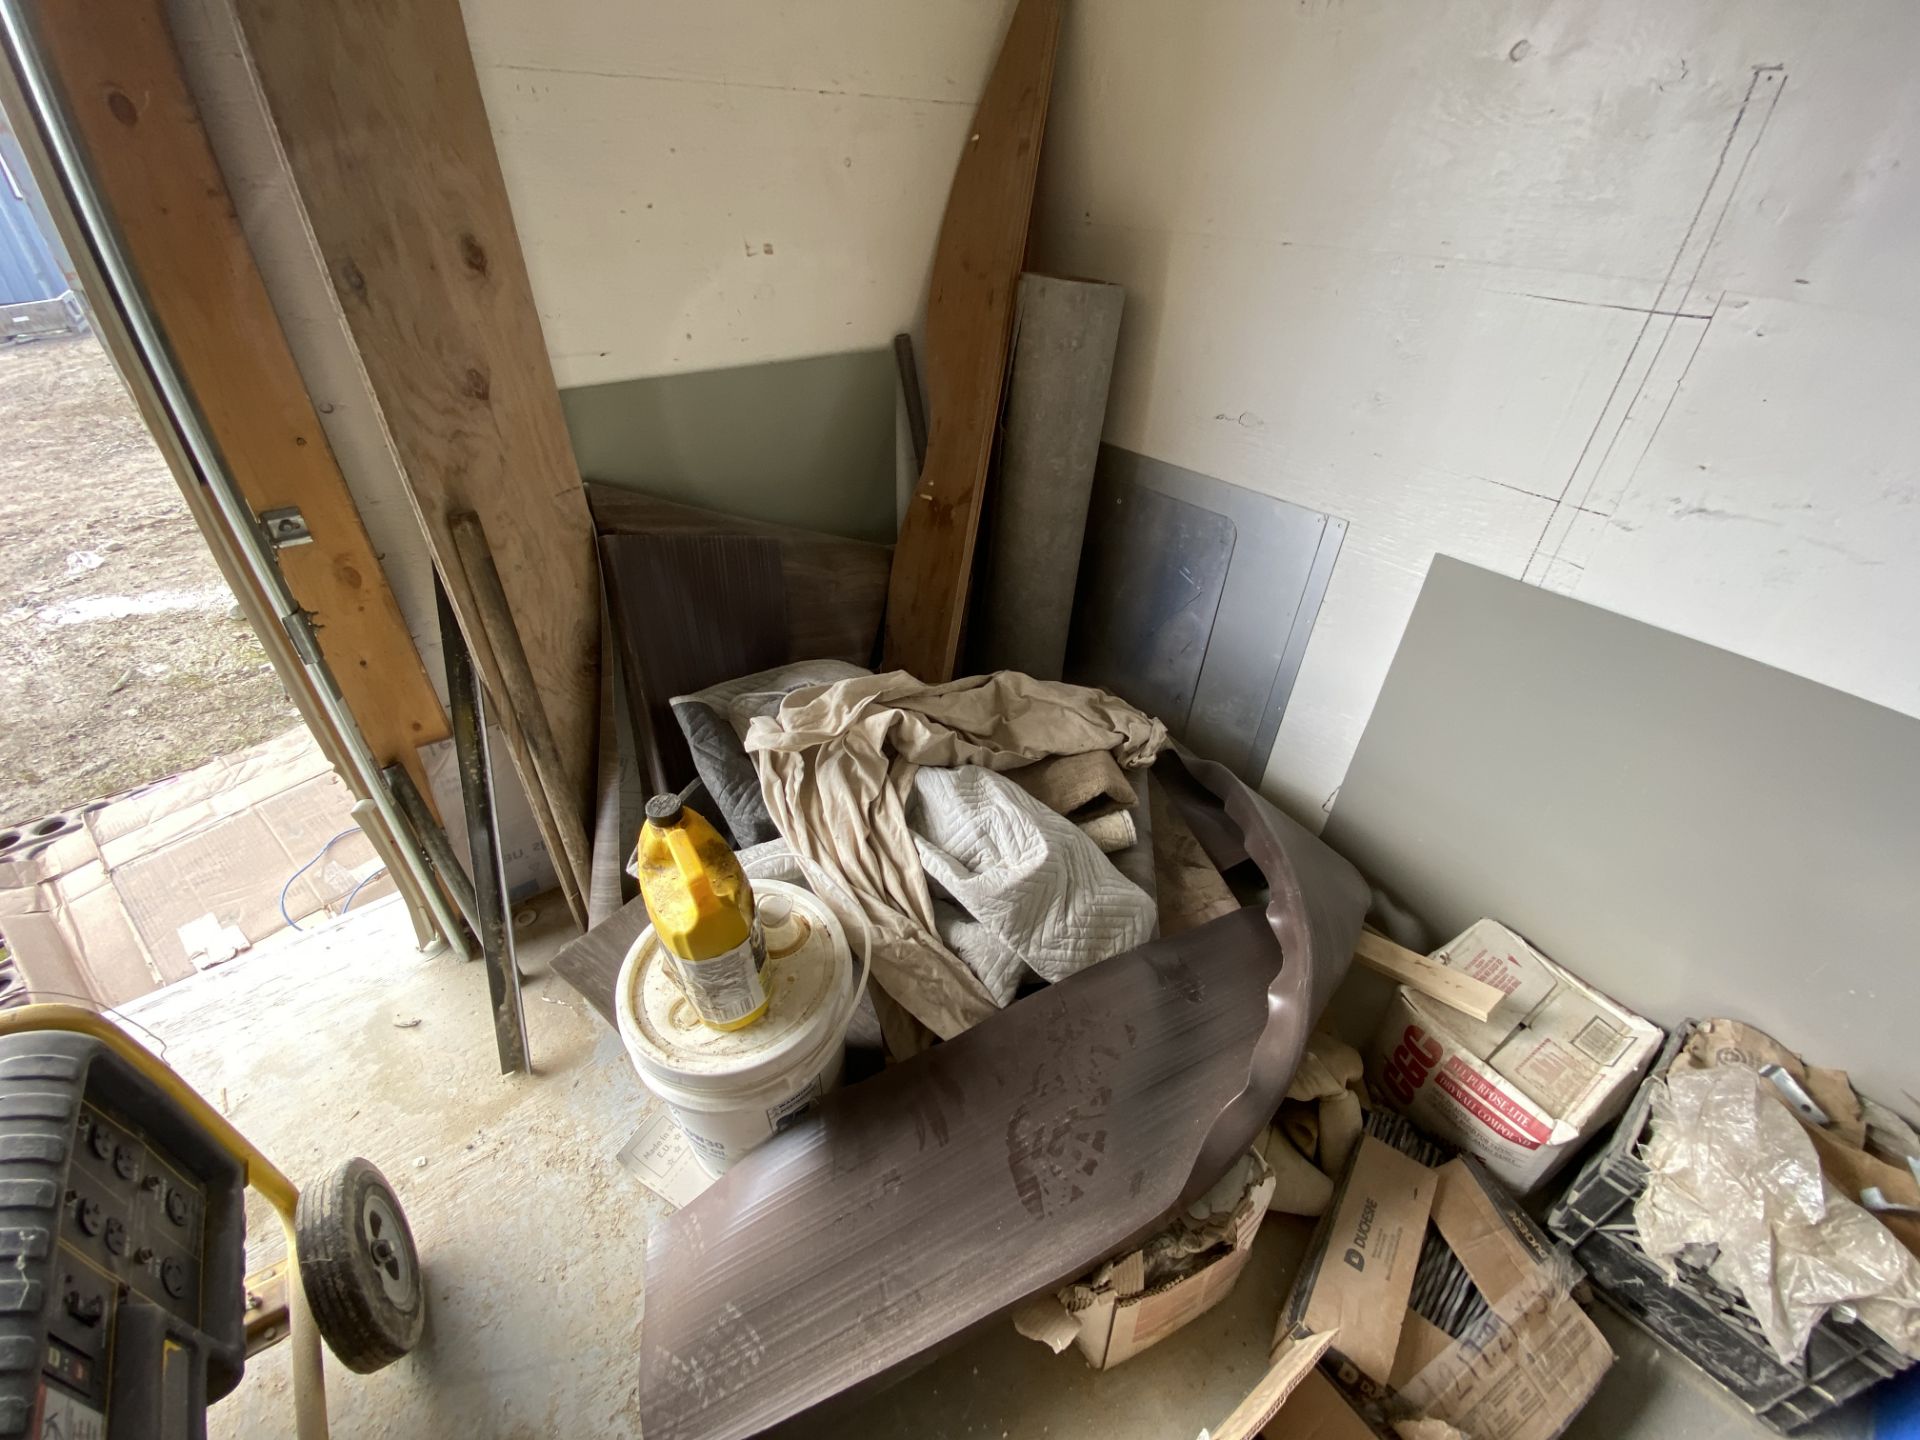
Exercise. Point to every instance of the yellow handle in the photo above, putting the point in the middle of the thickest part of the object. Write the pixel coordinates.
(687, 861)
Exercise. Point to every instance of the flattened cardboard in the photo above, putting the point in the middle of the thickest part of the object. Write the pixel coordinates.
(97, 913)
(1537, 1359)
(1359, 1269)
(1316, 1410)
(1527, 1381)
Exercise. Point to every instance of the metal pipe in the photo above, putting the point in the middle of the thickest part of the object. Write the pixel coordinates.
(434, 841)
(466, 707)
(124, 292)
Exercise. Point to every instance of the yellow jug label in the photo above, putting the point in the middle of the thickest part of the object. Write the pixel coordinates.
(725, 989)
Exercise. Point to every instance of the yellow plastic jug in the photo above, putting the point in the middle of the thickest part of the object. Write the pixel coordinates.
(701, 904)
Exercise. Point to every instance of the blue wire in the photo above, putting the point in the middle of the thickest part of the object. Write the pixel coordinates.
(366, 881)
(318, 857)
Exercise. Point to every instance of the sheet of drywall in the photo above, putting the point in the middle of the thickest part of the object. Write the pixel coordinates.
(729, 182)
(1696, 833)
(804, 443)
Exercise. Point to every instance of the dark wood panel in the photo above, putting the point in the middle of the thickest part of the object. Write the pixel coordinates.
(836, 588)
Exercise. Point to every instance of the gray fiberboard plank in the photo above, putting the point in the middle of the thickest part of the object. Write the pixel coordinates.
(1694, 832)
(1065, 333)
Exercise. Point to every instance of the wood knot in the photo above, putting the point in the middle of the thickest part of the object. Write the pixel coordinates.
(473, 254)
(123, 108)
(475, 386)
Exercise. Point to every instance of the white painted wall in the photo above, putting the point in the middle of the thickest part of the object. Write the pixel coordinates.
(720, 183)
(1585, 293)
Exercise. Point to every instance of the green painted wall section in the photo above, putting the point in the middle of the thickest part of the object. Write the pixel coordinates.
(808, 443)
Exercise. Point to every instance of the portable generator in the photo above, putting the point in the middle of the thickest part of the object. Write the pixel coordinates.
(125, 1306)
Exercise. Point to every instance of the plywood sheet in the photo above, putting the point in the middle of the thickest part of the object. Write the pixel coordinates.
(1690, 831)
(380, 116)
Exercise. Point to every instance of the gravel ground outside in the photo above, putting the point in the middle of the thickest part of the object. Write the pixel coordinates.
(122, 655)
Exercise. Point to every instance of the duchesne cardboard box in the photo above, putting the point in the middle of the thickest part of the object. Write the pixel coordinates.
(1520, 1368)
(1522, 1089)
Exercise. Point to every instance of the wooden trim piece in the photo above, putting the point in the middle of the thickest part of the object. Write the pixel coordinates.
(378, 110)
(519, 703)
(149, 157)
(1429, 977)
(976, 271)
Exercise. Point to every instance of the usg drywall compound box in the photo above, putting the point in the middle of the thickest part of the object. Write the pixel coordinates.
(1520, 1090)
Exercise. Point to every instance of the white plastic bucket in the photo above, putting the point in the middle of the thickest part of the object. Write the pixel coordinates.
(730, 1090)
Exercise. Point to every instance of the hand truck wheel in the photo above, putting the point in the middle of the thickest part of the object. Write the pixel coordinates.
(359, 1267)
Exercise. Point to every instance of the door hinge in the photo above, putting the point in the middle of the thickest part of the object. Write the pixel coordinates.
(299, 628)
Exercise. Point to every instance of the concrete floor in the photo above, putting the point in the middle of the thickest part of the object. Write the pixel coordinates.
(533, 1237)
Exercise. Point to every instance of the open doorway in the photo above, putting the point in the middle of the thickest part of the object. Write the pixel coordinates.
(162, 804)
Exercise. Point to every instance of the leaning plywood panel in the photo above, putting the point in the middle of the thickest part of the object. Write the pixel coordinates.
(380, 116)
(125, 96)
(976, 269)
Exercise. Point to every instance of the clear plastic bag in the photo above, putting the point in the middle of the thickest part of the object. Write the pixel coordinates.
(1733, 1177)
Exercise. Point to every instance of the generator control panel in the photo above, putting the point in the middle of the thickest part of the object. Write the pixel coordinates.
(122, 1238)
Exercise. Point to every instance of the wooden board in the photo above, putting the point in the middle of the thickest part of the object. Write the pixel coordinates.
(128, 102)
(378, 110)
(836, 588)
(976, 271)
(1427, 977)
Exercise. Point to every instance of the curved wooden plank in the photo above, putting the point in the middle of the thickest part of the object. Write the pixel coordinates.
(378, 109)
(976, 271)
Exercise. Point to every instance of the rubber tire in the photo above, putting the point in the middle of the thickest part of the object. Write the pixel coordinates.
(359, 1321)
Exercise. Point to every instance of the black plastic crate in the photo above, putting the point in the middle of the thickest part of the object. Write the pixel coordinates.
(1706, 1324)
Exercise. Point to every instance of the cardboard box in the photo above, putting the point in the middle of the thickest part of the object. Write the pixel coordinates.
(149, 886)
(1121, 1309)
(1525, 1360)
(1524, 1088)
